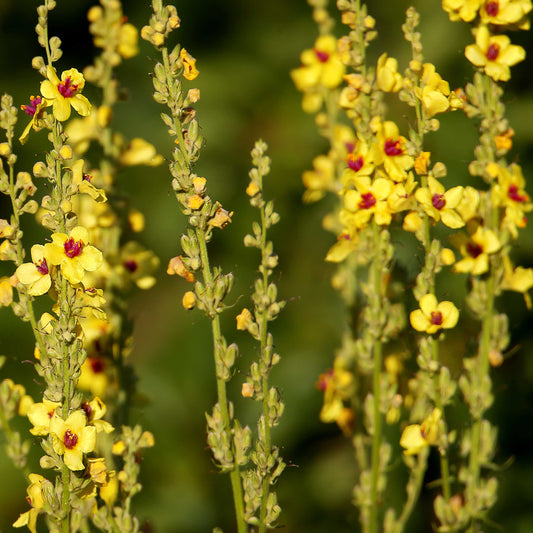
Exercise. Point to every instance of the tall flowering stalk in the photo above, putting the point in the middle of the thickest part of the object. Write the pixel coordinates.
(262, 508)
(73, 271)
(232, 445)
(387, 178)
(501, 207)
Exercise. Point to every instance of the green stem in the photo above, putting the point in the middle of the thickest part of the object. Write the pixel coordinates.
(415, 485)
(378, 353)
(221, 384)
(264, 384)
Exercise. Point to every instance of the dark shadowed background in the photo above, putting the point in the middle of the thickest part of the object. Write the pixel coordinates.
(245, 51)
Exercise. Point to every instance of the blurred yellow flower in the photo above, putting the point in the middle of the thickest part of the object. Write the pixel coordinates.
(140, 152)
(434, 316)
(475, 249)
(416, 437)
(388, 78)
(461, 9)
(505, 12)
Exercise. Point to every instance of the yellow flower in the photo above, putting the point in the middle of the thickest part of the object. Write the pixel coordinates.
(6, 292)
(440, 204)
(64, 93)
(434, 91)
(401, 196)
(517, 279)
(244, 319)
(72, 438)
(344, 246)
(127, 41)
(138, 265)
(468, 207)
(72, 253)
(83, 184)
(389, 150)
(35, 110)
(40, 415)
(494, 53)
(36, 500)
(320, 179)
(95, 410)
(434, 316)
(36, 274)
(358, 163)
(337, 386)
(140, 152)
(461, 9)
(421, 163)
(189, 300)
(177, 266)
(388, 78)
(475, 250)
(94, 376)
(416, 437)
(510, 189)
(221, 218)
(321, 66)
(190, 72)
(504, 12)
(369, 198)
(109, 491)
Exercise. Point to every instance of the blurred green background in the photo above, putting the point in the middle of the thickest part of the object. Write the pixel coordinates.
(245, 51)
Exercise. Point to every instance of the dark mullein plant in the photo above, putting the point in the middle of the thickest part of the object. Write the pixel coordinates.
(79, 269)
(387, 181)
(253, 463)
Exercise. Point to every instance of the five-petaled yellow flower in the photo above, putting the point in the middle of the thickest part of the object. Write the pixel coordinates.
(73, 254)
(72, 438)
(64, 93)
(440, 204)
(434, 316)
(494, 53)
(416, 437)
(475, 249)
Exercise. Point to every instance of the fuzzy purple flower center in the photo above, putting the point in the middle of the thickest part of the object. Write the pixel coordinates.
(131, 265)
(436, 318)
(514, 195)
(392, 147)
(321, 56)
(73, 248)
(31, 108)
(66, 88)
(367, 200)
(492, 8)
(355, 163)
(438, 200)
(42, 267)
(493, 52)
(70, 439)
(474, 249)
